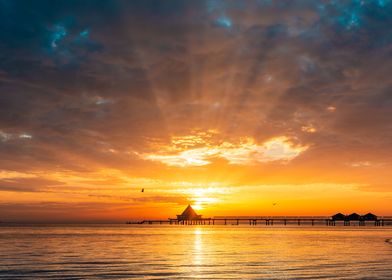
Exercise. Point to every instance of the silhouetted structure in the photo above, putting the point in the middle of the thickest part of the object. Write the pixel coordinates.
(339, 217)
(353, 217)
(188, 214)
(369, 217)
(190, 217)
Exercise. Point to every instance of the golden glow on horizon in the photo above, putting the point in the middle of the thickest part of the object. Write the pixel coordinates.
(248, 181)
(201, 197)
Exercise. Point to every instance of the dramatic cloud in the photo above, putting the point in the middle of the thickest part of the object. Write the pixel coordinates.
(99, 99)
(246, 152)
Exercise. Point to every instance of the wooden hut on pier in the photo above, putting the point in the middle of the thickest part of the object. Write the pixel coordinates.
(369, 217)
(353, 217)
(339, 217)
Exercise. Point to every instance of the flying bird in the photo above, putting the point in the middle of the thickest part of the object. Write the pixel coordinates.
(143, 190)
(273, 204)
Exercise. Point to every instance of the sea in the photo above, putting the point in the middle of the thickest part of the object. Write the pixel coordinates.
(194, 252)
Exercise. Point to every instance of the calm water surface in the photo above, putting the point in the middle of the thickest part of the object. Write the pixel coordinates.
(187, 252)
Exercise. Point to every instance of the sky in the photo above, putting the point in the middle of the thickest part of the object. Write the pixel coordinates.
(260, 107)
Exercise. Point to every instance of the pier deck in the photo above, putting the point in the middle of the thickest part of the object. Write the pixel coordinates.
(269, 221)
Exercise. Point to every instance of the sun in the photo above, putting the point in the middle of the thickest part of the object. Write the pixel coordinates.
(201, 197)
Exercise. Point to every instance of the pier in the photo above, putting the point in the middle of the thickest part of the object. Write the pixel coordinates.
(270, 221)
(189, 217)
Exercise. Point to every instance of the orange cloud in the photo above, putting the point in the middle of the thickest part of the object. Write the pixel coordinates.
(245, 152)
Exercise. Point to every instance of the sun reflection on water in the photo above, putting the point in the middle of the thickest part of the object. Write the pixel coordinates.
(198, 249)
